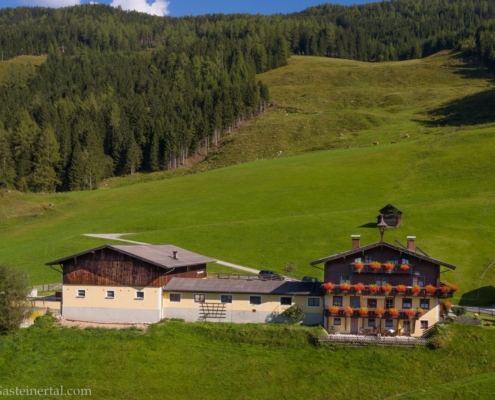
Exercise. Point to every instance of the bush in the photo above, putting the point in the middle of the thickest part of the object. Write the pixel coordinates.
(45, 321)
(294, 314)
(458, 310)
(14, 289)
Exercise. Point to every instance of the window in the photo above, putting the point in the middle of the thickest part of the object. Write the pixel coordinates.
(405, 261)
(357, 259)
(368, 259)
(424, 324)
(418, 280)
(313, 302)
(139, 295)
(110, 294)
(337, 321)
(389, 323)
(225, 298)
(424, 304)
(371, 303)
(406, 303)
(381, 280)
(254, 300)
(174, 297)
(355, 302)
(371, 322)
(344, 278)
(199, 298)
(406, 327)
(81, 293)
(286, 301)
(337, 301)
(389, 302)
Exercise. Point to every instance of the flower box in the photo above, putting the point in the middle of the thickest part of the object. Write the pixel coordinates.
(415, 290)
(410, 313)
(405, 267)
(345, 287)
(389, 266)
(348, 311)
(420, 312)
(387, 288)
(373, 288)
(393, 312)
(333, 310)
(445, 290)
(358, 287)
(328, 287)
(430, 289)
(363, 311)
(358, 267)
(401, 289)
(375, 266)
(379, 312)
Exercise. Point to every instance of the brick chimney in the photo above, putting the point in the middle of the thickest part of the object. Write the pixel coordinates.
(410, 243)
(356, 241)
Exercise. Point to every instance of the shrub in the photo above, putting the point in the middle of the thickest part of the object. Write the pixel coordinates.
(14, 289)
(458, 310)
(489, 323)
(294, 314)
(45, 321)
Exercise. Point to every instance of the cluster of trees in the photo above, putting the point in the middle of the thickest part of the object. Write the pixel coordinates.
(122, 91)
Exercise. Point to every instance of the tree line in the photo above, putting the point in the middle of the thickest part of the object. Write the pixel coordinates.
(125, 91)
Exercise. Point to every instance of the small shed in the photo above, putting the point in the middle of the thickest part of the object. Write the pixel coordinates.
(391, 215)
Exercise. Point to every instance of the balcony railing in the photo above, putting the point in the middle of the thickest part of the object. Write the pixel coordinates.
(394, 292)
(371, 314)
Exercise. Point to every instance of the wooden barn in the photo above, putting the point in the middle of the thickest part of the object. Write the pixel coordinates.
(123, 283)
(391, 215)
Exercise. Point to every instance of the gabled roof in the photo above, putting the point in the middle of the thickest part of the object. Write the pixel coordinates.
(160, 255)
(255, 286)
(382, 244)
(389, 206)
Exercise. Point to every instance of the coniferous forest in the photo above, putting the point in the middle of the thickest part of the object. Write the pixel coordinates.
(124, 91)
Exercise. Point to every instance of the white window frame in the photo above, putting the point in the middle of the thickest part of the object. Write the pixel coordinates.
(255, 304)
(199, 294)
(109, 297)
(136, 295)
(81, 296)
(314, 298)
(227, 302)
(424, 322)
(286, 297)
(174, 301)
(337, 321)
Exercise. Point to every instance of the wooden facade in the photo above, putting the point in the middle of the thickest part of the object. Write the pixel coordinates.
(420, 268)
(107, 267)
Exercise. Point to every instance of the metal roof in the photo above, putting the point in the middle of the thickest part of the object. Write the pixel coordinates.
(159, 255)
(384, 244)
(255, 286)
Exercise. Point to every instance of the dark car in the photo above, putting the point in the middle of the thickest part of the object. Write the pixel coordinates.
(266, 275)
(311, 279)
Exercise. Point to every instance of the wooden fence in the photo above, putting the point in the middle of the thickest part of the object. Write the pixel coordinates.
(49, 287)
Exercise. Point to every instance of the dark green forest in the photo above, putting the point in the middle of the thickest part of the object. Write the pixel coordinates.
(125, 91)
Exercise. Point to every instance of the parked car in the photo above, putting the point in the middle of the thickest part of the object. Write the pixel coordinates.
(266, 275)
(311, 279)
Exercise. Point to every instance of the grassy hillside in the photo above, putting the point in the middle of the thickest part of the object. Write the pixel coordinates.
(268, 213)
(223, 361)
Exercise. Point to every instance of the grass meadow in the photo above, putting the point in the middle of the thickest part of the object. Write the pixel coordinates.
(176, 360)
(5, 65)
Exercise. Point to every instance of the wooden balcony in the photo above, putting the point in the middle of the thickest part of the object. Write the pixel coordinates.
(368, 270)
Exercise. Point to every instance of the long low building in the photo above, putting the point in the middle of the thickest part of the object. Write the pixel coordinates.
(225, 300)
(123, 283)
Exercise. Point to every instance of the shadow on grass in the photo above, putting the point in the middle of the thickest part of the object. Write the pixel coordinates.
(483, 296)
(475, 109)
(368, 225)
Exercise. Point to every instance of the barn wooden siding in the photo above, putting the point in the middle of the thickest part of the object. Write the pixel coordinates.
(110, 268)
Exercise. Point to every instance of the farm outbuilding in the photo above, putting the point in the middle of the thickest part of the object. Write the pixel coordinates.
(391, 215)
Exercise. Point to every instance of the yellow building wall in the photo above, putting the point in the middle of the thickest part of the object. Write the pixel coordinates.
(124, 297)
(431, 316)
(240, 302)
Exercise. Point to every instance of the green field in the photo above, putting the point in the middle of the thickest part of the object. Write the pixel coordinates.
(5, 65)
(176, 360)
(267, 213)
